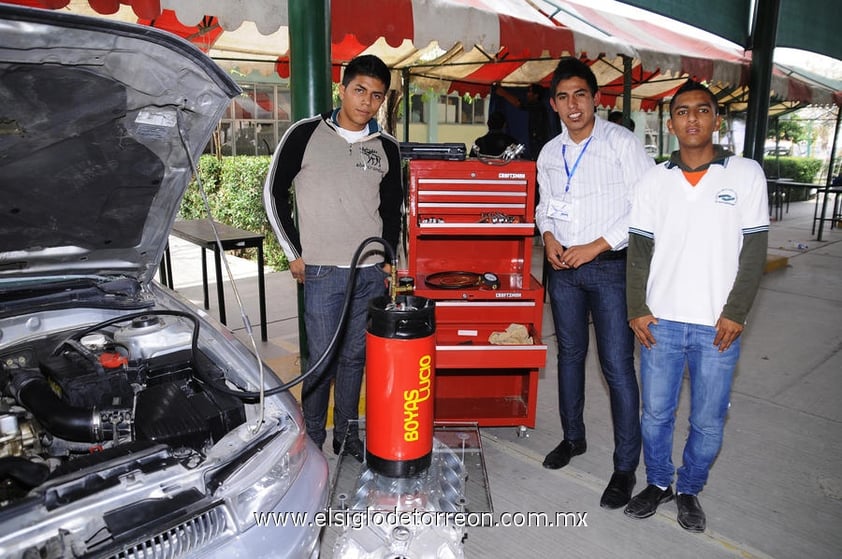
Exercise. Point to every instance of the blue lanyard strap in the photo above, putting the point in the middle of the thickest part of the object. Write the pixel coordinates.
(568, 170)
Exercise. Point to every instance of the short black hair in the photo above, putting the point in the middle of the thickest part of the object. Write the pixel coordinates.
(691, 85)
(615, 116)
(367, 65)
(536, 89)
(571, 67)
(496, 121)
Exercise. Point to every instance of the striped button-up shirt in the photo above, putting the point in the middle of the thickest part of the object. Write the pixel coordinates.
(581, 202)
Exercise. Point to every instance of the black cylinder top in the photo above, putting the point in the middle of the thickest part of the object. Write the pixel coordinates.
(416, 321)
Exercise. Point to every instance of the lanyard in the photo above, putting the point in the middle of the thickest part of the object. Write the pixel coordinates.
(569, 171)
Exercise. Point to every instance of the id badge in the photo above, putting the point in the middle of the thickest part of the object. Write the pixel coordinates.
(559, 209)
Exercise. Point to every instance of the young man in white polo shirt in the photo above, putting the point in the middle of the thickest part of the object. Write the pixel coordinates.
(697, 246)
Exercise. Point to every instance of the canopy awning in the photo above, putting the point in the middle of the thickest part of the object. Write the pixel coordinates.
(671, 52)
(811, 25)
(464, 45)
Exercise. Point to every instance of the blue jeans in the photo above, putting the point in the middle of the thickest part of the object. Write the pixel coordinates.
(678, 344)
(598, 288)
(324, 293)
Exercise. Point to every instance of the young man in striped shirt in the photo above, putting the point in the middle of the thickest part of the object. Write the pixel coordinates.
(586, 176)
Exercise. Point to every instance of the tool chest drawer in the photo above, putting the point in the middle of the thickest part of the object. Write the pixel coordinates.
(496, 397)
(467, 198)
(468, 354)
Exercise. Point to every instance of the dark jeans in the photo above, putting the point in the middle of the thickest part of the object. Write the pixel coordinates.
(324, 293)
(598, 287)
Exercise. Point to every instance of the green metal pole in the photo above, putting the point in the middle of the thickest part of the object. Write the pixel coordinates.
(661, 127)
(309, 57)
(760, 80)
(310, 87)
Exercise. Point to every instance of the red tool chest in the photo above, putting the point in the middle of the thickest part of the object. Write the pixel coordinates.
(470, 216)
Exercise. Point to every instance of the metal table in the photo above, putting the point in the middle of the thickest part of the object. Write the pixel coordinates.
(200, 232)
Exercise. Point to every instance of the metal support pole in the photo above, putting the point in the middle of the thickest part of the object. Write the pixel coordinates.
(627, 85)
(309, 57)
(660, 127)
(310, 87)
(829, 176)
(760, 82)
(407, 105)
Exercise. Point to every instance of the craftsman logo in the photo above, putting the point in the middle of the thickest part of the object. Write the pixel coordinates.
(411, 399)
(511, 175)
(726, 196)
(508, 295)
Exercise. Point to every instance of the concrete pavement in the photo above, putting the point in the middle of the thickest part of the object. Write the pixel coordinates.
(776, 488)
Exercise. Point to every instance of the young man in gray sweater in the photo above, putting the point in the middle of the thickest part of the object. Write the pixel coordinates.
(346, 178)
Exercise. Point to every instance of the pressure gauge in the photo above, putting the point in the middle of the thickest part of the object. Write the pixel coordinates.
(489, 280)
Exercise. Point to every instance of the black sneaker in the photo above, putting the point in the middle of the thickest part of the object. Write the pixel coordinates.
(353, 447)
(691, 517)
(645, 503)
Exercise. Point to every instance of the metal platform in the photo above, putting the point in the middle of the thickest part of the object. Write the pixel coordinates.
(457, 477)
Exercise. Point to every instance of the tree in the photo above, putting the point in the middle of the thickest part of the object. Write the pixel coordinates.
(789, 129)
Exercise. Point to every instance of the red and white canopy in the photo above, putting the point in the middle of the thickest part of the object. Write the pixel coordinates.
(459, 45)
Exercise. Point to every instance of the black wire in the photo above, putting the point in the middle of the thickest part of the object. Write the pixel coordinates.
(245, 394)
(124, 318)
(346, 305)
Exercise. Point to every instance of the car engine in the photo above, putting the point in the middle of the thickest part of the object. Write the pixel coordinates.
(67, 401)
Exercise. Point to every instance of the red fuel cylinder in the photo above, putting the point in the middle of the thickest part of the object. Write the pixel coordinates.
(400, 366)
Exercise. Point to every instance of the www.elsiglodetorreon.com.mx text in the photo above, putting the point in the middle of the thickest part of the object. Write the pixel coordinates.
(358, 519)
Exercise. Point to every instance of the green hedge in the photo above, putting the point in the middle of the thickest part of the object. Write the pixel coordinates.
(234, 186)
(799, 169)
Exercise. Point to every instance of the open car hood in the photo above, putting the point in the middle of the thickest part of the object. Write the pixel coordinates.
(96, 122)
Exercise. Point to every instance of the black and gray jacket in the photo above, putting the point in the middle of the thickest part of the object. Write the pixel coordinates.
(343, 193)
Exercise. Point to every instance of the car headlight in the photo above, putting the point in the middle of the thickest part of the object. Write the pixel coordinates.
(262, 480)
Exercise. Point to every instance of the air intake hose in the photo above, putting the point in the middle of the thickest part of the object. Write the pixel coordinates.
(32, 391)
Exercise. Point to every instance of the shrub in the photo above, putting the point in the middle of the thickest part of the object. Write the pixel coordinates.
(234, 186)
(799, 169)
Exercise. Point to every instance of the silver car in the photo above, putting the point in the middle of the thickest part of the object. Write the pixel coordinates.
(131, 424)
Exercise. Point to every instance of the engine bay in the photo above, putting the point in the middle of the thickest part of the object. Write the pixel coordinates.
(71, 398)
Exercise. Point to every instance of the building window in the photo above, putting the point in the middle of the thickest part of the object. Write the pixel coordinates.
(448, 109)
(254, 122)
(455, 109)
(283, 111)
(416, 109)
(473, 111)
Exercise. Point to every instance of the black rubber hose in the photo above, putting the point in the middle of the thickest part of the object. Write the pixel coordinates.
(221, 387)
(27, 473)
(331, 346)
(57, 417)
